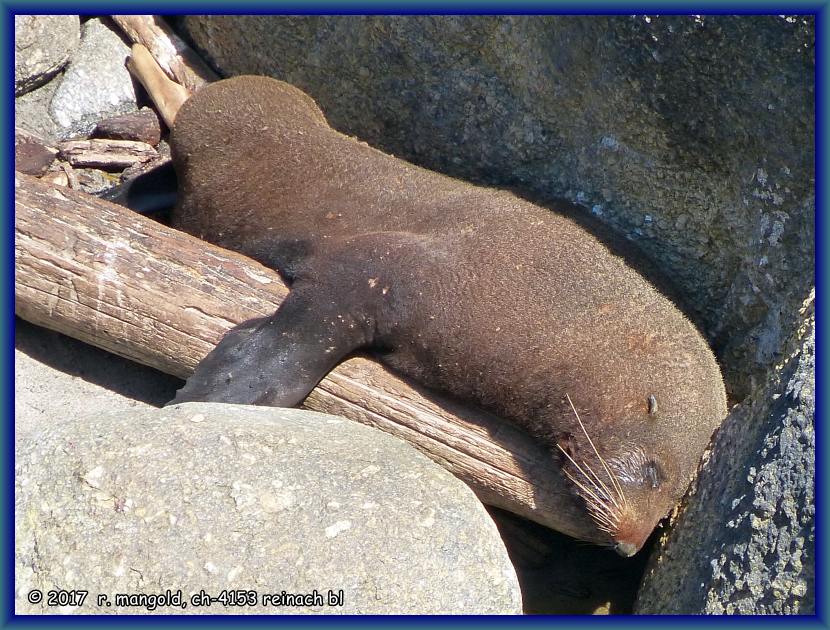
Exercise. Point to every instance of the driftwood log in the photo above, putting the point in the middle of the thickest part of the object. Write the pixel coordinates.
(117, 280)
(106, 154)
(163, 63)
(179, 62)
(167, 95)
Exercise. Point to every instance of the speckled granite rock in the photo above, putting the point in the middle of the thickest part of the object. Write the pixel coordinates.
(692, 135)
(214, 497)
(42, 45)
(31, 111)
(747, 543)
(96, 83)
(59, 379)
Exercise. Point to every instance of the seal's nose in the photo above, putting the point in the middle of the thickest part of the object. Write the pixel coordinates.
(625, 549)
(633, 530)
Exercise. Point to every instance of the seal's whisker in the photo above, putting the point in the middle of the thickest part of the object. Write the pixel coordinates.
(591, 489)
(602, 491)
(603, 519)
(594, 480)
(605, 516)
(608, 492)
(611, 475)
(595, 492)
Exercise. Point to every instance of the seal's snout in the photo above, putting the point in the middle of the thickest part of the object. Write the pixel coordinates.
(633, 531)
(626, 549)
(630, 540)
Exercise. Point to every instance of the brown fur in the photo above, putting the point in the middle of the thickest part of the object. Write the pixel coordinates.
(469, 290)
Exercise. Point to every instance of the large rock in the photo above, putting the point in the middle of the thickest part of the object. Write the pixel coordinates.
(217, 498)
(691, 135)
(42, 45)
(96, 84)
(57, 378)
(747, 543)
(31, 112)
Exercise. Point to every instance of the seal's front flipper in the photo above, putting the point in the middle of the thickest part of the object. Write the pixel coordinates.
(277, 360)
(152, 192)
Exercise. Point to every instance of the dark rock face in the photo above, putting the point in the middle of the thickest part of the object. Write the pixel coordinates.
(140, 126)
(693, 136)
(746, 542)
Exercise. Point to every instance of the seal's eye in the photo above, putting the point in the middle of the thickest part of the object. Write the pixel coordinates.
(652, 475)
(652, 405)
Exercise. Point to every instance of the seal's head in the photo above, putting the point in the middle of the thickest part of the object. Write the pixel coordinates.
(630, 480)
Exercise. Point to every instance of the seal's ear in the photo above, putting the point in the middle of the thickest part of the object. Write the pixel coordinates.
(153, 192)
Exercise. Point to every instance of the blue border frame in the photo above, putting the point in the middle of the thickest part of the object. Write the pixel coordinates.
(819, 9)
(822, 170)
(7, 377)
(412, 7)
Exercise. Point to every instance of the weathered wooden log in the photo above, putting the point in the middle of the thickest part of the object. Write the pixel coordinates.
(175, 57)
(167, 95)
(112, 155)
(120, 281)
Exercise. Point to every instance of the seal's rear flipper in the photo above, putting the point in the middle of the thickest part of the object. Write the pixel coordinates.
(152, 192)
(277, 360)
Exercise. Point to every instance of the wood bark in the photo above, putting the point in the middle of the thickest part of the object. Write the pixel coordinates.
(167, 95)
(179, 62)
(117, 280)
(106, 154)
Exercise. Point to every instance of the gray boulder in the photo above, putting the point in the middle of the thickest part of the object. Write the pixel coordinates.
(42, 45)
(96, 84)
(57, 378)
(31, 111)
(253, 503)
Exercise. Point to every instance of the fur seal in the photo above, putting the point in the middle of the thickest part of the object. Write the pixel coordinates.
(468, 290)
